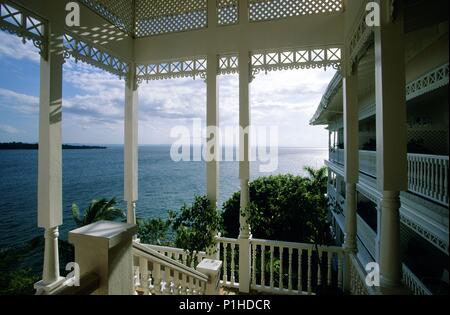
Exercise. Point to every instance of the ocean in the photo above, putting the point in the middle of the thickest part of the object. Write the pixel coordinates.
(92, 174)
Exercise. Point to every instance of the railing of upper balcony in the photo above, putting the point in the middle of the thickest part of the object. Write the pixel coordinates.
(284, 267)
(428, 174)
(413, 283)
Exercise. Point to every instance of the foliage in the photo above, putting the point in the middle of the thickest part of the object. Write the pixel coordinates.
(98, 210)
(195, 226)
(153, 231)
(283, 207)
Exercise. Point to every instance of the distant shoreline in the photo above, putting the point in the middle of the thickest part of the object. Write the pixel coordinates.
(35, 146)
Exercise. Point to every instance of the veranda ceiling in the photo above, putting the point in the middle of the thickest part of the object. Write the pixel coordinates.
(141, 18)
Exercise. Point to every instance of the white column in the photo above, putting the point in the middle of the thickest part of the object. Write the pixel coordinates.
(351, 156)
(50, 161)
(212, 136)
(351, 165)
(391, 135)
(131, 146)
(244, 170)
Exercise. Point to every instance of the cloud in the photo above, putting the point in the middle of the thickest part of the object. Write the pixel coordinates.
(8, 129)
(22, 103)
(94, 99)
(13, 47)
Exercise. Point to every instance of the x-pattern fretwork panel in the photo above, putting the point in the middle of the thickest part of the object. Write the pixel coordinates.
(296, 59)
(85, 52)
(266, 10)
(24, 24)
(155, 17)
(192, 67)
(229, 64)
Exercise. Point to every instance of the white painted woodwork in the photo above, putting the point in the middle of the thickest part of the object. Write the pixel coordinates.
(49, 197)
(131, 146)
(167, 276)
(212, 123)
(105, 248)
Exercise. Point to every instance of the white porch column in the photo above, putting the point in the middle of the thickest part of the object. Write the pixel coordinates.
(212, 137)
(244, 170)
(351, 156)
(131, 145)
(351, 164)
(50, 160)
(391, 135)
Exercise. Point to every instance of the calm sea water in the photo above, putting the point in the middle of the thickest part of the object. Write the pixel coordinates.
(93, 174)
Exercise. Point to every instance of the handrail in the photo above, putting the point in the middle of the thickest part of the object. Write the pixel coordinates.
(144, 251)
(295, 245)
(174, 250)
(413, 283)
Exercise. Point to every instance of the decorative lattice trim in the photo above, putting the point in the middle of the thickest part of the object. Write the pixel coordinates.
(85, 52)
(295, 59)
(431, 81)
(227, 12)
(154, 17)
(120, 13)
(228, 64)
(26, 25)
(429, 236)
(194, 67)
(361, 38)
(266, 10)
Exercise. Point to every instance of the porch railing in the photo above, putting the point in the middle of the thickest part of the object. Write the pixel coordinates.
(284, 267)
(427, 174)
(158, 274)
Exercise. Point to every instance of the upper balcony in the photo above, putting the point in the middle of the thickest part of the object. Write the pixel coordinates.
(428, 174)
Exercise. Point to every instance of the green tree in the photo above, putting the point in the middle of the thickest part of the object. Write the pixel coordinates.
(283, 207)
(195, 226)
(97, 210)
(153, 231)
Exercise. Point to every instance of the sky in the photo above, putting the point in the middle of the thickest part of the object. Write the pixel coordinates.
(93, 102)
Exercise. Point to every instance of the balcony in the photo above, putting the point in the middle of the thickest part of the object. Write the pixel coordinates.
(427, 174)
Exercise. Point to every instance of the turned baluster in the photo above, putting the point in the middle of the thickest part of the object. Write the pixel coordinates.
(254, 247)
(290, 270)
(309, 271)
(271, 267)
(263, 267)
(233, 246)
(143, 271)
(319, 268)
(225, 263)
(329, 257)
(157, 278)
(168, 282)
(299, 276)
(280, 276)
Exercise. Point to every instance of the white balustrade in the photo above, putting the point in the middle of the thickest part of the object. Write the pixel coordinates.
(227, 249)
(368, 162)
(313, 267)
(159, 274)
(179, 254)
(428, 176)
(337, 155)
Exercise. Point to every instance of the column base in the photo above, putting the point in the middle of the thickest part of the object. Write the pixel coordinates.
(43, 288)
